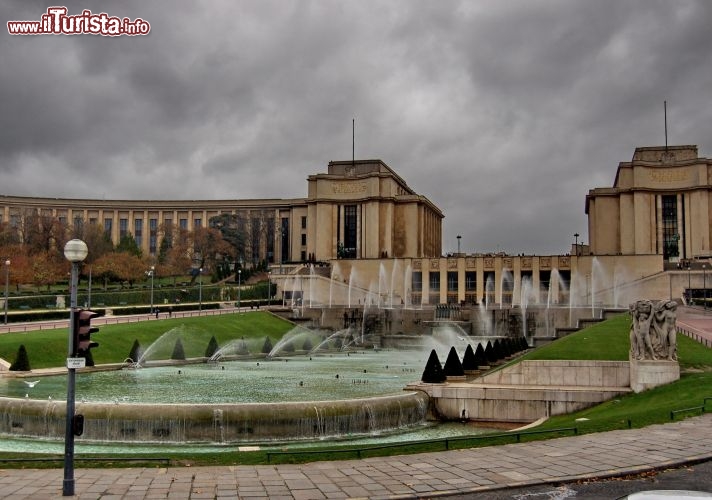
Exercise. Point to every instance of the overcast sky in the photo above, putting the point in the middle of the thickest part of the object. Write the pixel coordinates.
(503, 113)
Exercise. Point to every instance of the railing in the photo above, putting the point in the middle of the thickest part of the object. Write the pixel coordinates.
(114, 320)
(136, 459)
(696, 336)
(701, 409)
(445, 442)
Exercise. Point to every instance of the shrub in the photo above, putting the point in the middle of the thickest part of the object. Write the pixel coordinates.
(178, 352)
(433, 373)
(135, 353)
(212, 348)
(453, 367)
(307, 346)
(22, 361)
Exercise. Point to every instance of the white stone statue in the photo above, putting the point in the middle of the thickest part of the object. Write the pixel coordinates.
(653, 333)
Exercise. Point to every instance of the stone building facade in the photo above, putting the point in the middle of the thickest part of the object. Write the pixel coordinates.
(660, 204)
(358, 209)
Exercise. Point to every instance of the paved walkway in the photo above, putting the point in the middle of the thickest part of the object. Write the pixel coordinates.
(398, 477)
(426, 475)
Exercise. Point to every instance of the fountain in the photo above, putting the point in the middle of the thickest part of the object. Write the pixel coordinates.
(303, 397)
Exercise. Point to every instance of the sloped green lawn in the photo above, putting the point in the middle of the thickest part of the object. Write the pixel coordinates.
(48, 348)
(609, 341)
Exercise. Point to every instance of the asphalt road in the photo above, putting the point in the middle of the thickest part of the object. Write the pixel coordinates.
(696, 477)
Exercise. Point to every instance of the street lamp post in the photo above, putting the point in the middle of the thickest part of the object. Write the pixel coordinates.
(458, 244)
(200, 290)
(239, 286)
(269, 288)
(75, 251)
(576, 235)
(151, 272)
(704, 283)
(89, 290)
(7, 284)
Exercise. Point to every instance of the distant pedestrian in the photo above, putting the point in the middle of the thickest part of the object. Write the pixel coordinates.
(157, 311)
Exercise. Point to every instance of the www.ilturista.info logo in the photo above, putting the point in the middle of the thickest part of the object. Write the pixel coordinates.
(57, 22)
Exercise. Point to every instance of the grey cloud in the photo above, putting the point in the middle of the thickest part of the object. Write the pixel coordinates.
(503, 113)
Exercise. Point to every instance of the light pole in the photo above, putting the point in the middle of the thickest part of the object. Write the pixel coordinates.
(200, 290)
(75, 251)
(458, 244)
(239, 285)
(7, 284)
(151, 272)
(89, 291)
(704, 283)
(576, 235)
(269, 288)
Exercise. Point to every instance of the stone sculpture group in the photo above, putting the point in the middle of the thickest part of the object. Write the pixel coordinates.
(653, 333)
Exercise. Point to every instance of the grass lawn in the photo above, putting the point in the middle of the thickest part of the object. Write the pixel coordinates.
(609, 341)
(605, 341)
(48, 348)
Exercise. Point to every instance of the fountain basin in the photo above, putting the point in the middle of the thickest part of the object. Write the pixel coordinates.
(217, 423)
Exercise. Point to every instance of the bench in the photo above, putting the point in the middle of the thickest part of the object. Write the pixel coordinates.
(24, 308)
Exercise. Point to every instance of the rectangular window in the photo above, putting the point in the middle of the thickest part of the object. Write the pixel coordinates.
(470, 281)
(152, 235)
(434, 285)
(197, 223)
(434, 282)
(138, 231)
(270, 239)
(183, 223)
(670, 234)
(304, 222)
(284, 244)
(417, 280)
(108, 225)
(123, 227)
(303, 255)
(350, 231)
(304, 240)
(452, 281)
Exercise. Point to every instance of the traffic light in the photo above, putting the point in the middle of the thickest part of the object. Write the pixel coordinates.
(78, 425)
(82, 334)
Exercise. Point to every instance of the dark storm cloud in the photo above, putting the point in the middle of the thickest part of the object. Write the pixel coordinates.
(504, 114)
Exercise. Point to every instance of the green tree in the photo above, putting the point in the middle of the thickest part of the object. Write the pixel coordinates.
(178, 351)
(128, 244)
(212, 348)
(135, 353)
(22, 361)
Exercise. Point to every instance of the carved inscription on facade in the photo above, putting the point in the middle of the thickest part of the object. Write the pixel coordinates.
(526, 263)
(470, 262)
(489, 263)
(434, 263)
(417, 265)
(545, 262)
(666, 176)
(348, 187)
